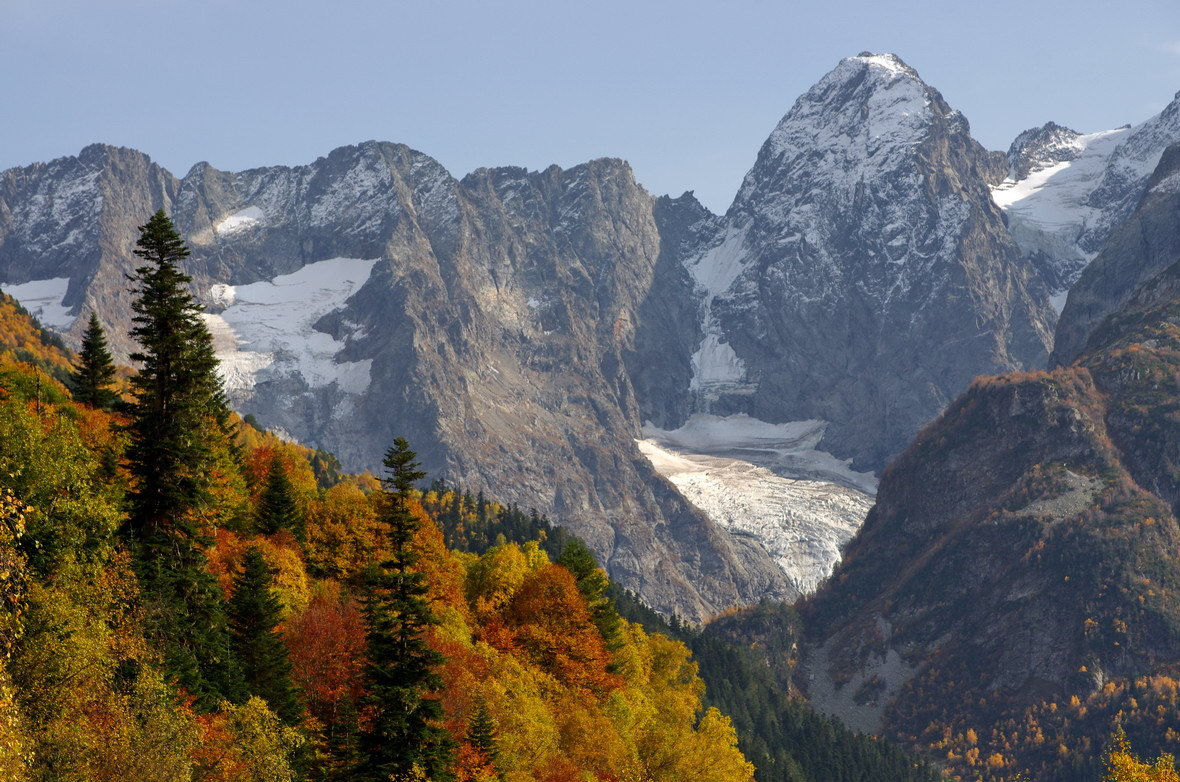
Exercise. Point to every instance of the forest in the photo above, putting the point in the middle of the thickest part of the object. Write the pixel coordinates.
(188, 597)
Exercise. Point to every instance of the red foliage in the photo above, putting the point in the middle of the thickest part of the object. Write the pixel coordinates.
(327, 647)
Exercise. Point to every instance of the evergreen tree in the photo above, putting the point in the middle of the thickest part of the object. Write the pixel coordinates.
(481, 735)
(90, 382)
(594, 586)
(178, 408)
(262, 656)
(277, 508)
(402, 738)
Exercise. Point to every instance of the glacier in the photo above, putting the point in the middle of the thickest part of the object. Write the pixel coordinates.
(769, 482)
(43, 300)
(267, 329)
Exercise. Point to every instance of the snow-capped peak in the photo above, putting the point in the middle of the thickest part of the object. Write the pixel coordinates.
(1039, 148)
(866, 116)
(888, 62)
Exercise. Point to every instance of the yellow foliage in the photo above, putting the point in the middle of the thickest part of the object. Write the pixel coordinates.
(1123, 766)
(247, 743)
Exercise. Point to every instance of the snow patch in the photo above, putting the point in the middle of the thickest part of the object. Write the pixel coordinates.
(716, 369)
(267, 328)
(43, 300)
(767, 481)
(240, 220)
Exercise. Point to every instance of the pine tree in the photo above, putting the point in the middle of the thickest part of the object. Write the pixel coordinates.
(177, 410)
(91, 380)
(277, 508)
(403, 737)
(254, 612)
(481, 735)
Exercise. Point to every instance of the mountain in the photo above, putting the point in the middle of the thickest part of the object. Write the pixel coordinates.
(525, 329)
(862, 275)
(371, 294)
(1066, 192)
(1015, 591)
(1139, 249)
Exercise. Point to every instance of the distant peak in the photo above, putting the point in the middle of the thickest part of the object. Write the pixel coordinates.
(887, 61)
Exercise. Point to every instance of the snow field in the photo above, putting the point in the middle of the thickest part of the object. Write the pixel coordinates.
(43, 300)
(267, 328)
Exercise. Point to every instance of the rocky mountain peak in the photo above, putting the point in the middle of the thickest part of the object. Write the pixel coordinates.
(864, 117)
(862, 227)
(1039, 148)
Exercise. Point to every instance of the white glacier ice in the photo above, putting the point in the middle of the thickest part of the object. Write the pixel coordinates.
(43, 300)
(767, 481)
(240, 220)
(267, 328)
(716, 368)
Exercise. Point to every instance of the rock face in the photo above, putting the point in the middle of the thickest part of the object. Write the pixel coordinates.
(863, 275)
(1066, 192)
(521, 328)
(1139, 249)
(1022, 551)
(371, 294)
(75, 219)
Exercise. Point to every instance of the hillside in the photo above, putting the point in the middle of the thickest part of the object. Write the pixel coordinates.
(1015, 592)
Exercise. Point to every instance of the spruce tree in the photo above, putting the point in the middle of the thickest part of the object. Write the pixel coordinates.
(261, 654)
(595, 587)
(91, 380)
(481, 735)
(277, 508)
(178, 408)
(403, 737)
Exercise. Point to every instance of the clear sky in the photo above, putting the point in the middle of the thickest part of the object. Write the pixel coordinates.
(687, 91)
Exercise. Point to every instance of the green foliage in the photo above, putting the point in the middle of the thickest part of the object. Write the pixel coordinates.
(48, 466)
(402, 737)
(176, 417)
(594, 585)
(91, 380)
(481, 734)
(277, 508)
(254, 612)
(782, 735)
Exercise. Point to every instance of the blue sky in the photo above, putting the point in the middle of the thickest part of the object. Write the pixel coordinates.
(686, 91)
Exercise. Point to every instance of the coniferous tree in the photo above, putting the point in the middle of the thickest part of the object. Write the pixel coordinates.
(481, 735)
(594, 586)
(277, 508)
(402, 737)
(254, 612)
(177, 410)
(91, 380)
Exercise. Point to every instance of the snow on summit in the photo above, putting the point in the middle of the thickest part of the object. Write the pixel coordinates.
(864, 114)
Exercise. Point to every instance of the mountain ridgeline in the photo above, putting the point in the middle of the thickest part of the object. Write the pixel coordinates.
(1014, 595)
(520, 328)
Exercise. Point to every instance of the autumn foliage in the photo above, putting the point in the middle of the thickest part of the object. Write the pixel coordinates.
(531, 689)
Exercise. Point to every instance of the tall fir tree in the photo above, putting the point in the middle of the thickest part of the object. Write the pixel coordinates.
(91, 380)
(481, 735)
(403, 737)
(277, 508)
(178, 410)
(254, 613)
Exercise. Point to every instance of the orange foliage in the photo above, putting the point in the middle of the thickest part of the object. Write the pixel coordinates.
(549, 619)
